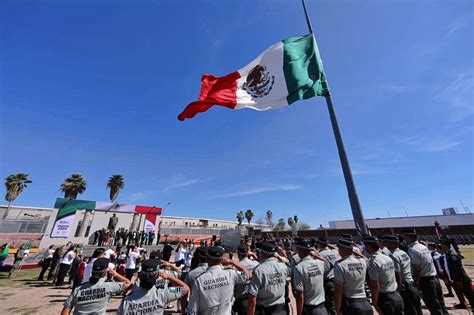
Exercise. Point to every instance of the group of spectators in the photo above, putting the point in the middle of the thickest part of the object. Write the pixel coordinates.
(124, 237)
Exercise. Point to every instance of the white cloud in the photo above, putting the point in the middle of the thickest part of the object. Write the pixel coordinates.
(456, 26)
(138, 196)
(458, 96)
(398, 89)
(423, 143)
(257, 190)
(181, 184)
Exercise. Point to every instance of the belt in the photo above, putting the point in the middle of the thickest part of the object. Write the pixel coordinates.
(428, 277)
(355, 299)
(408, 282)
(329, 280)
(314, 306)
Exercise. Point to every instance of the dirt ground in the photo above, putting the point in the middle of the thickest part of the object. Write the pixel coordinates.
(25, 295)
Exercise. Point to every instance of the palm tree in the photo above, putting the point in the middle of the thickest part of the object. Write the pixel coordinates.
(269, 217)
(291, 222)
(15, 184)
(249, 216)
(281, 225)
(115, 184)
(74, 185)
(240, 217)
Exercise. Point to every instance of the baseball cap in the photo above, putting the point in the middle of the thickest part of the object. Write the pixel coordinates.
(243, 249)
(322, 240)
(268, 248)
(100, 264)
(150, 265)
(202, 251)
(156, 255)
(303, 244)
(215, 252)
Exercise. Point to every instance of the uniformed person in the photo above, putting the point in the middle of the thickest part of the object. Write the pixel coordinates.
(424, 274)
(241, 299)
(382, 280)
(455, 271)
(267, 287)
(331, 256)
(355, 248)
(92, 297)
(349, 279)
(308, 281)
(383, 247)
(147, 298)
(409, 292)
(201, 253)
(213, 290)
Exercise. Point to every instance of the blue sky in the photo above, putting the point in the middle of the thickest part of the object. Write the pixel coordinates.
(95, 87)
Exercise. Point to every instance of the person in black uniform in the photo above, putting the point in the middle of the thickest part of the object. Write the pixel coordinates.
(167, 250)
(456, 273)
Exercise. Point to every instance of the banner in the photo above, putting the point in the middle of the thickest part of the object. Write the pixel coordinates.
(67, 210)
(150, 221)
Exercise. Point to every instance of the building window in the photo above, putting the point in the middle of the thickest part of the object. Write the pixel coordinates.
(79, 224)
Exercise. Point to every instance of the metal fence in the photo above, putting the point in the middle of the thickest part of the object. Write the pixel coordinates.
(189, 231)
(23, 226)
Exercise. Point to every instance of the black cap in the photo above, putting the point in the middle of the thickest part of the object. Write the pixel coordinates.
(242, 248)
(156, 255)
(347, 236)
(303, 244)
(391, 238)
(202, 251)
(268, 248)
(150, 265)
(370, 239)
(215, 252)
(409, 232)
(345, 243)
(100, 264)
(322, 240)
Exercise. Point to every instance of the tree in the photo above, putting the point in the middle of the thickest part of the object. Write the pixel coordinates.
(15, 184)
(115, 184)
(269, 217)
(240, 217)
(291, 222)
(304, 226)
(74, 185)
(249, 215)
(280, 226)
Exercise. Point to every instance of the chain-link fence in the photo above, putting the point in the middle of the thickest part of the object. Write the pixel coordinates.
(23, 226)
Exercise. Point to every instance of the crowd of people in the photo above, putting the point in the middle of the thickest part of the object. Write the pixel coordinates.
(392, 274)
(109, 237)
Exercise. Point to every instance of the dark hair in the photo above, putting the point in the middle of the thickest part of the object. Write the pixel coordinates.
(98, 252)
(96, 275)
(147, 279)
(68, 250)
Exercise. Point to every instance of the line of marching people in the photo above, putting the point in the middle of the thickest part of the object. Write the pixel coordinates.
(391, 274)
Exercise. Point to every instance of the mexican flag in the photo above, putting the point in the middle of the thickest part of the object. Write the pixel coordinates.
(288, 71)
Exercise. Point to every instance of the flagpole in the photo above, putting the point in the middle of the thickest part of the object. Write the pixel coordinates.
(346, 169)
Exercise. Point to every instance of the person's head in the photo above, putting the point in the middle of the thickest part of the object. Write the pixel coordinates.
(382, 241)
(322, 242)
(51, 247)
(303, 247)
(445, 245)
(391, 242)
(242, 251)
(344, 247)
(431, 246)
(156, 254)
(215, 255)
(267, 250)
(5, 245)
(99, 269)
(134, 248)
(147, 274)
(371, 244)
(410, 236)
(98, 252)
(86, 260)
(201, 254)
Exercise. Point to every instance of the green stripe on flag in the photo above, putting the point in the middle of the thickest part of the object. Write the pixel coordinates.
(303, 69)
(67, 207)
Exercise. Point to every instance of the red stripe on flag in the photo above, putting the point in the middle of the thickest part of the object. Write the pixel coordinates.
(214, 91)
(151, 218)
(147, 210)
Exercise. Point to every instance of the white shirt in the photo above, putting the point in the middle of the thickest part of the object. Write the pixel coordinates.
(131, 260)
(88, 269)
(48, 254)
(68, 258)
(180, 254)
(108, 253)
